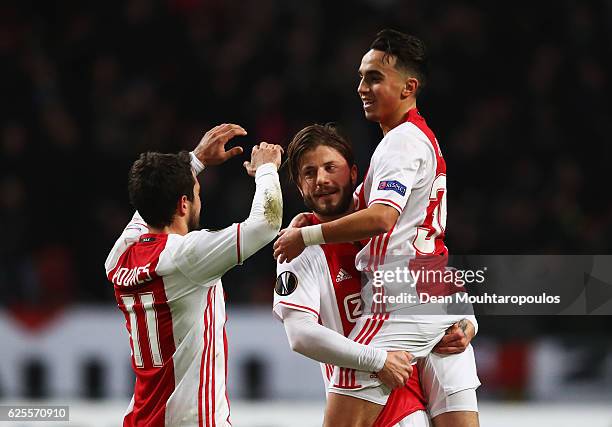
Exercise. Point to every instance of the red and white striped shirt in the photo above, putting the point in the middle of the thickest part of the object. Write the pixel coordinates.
(323, 281)
(175, 315)
(407, 172)
(169, 288)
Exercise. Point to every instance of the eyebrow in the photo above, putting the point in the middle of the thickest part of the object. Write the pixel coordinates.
(370, 73)
(306, 167)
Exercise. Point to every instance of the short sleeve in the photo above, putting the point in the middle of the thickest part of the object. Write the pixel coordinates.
(130, 235)
(297, 285)
(358, 200)
(205, 255)
(396, 167)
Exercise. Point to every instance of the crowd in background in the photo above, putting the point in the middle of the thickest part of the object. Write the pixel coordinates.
(518, 98)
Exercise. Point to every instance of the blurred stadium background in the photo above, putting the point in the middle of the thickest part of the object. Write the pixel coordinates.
(519, 97)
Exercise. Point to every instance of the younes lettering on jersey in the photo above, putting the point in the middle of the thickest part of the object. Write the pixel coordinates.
(286, 283)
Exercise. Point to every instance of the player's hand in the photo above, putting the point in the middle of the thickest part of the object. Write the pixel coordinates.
(457, 338)
(299, 221)
(397, 369)
(211, 149)
(288, 245)
(262, 154)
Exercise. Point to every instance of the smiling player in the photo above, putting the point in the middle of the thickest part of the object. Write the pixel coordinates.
(402, 219)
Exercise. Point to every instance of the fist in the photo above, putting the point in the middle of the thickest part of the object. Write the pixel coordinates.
(262, 154)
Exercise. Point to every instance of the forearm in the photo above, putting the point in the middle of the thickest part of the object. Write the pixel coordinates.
(360, 225)
(266, 214)
(319, 343)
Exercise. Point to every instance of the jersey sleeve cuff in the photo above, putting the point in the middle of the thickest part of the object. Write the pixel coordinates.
(280, 305)
(387, 202)
(265, 169)
(379, 361)
(196, 164)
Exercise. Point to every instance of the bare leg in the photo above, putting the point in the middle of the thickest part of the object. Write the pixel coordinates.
(348, 411)
(457, 419)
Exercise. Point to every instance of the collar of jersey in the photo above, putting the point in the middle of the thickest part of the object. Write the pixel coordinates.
(155, 235)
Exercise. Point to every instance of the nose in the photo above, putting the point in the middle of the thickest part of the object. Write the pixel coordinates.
(361, 87)
(322, 177)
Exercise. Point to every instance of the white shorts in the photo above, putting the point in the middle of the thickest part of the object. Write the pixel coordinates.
(449, 382)
(417, 334)
(416, 419)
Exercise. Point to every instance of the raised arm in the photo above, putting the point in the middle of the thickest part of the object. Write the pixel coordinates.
(205, 255)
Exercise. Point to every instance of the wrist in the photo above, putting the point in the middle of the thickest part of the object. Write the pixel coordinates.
(196, 164)
(312, 235)
(380, 360)
(265, 169)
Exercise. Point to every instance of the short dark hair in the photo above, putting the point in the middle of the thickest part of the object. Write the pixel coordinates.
(409, 51)
(156, 182)
(311, 137)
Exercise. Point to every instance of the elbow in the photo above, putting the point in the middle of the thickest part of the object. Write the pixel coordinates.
(297, 344)
(273, 211)
(381, 228)
(385, 221)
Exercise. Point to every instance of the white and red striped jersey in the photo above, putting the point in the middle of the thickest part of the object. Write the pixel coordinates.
(168, 286)
(407, 172)
(173, 303)
(323, 281)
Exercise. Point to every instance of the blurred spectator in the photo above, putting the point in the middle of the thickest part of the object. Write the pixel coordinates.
(519, 100)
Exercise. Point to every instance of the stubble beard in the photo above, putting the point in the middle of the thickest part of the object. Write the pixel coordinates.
(333, 210)
(194, 221)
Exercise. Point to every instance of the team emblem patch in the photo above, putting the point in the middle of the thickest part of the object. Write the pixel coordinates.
(286, 283)
(396, 186)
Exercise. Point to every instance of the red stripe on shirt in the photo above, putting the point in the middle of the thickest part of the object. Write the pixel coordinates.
(203, 412)
(384, 249)
(378, 327)
(225, 355)
(363, 329)
(373, 328)
(213, 365)
(371, 260)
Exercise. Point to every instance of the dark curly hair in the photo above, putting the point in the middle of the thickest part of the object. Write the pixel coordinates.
(156, 182)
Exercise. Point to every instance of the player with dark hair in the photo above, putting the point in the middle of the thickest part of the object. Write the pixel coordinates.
(402, 217)
(167, 279)
(317, 295)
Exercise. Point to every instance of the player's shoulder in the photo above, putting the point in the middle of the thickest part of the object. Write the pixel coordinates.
(405, 133)
(403, 139)
(305, 271)
(188, 242)
(310, 259)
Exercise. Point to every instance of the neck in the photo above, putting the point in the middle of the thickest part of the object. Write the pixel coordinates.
(398, 118)
(177, 227)
(328, 218)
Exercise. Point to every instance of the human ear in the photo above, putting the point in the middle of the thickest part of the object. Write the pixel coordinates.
(411, 86)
